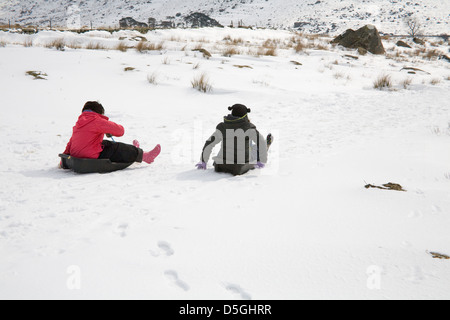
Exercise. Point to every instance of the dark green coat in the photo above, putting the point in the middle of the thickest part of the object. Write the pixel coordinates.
(236, 136)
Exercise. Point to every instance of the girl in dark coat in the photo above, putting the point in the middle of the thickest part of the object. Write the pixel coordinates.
(243, 148)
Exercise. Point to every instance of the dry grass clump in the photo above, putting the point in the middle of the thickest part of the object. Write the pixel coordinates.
(2, 44)
(201, 83)
(406, 83)
(28, 43)
(432, 54)
(230, 51)
(121, 46)
(58, 44)
(435, 81)
(235, 41)
(95, 46)
(382, 82)
(144, 46)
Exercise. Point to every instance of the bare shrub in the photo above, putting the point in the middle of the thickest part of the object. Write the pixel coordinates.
(383, 81)
(58, 44)
(414, 26)
(201, 83)
(2, 44)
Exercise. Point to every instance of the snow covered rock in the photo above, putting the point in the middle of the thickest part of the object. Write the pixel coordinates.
(366, 37)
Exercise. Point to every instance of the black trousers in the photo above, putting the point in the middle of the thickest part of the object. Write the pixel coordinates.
(120, 152)
(234, 169)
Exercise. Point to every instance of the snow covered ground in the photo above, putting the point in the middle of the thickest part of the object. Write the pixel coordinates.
(302, 228)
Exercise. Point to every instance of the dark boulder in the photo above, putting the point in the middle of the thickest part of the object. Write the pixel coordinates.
(366, 37)
(402, 44)
(200, 20)
(419, 41)
(129, 22)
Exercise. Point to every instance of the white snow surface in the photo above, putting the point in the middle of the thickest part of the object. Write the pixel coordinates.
(302, 228)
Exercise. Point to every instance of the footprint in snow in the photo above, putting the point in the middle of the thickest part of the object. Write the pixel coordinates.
(164, 249)
(447, 175)
(121, 230)
(415, 214)
(436, 209)
(173, 277)
(237, 290)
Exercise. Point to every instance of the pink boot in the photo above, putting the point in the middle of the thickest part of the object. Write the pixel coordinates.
(136, 143)
(150, 156)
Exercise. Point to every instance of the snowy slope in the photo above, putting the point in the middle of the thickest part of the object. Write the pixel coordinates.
(303, 228)
(320, 16)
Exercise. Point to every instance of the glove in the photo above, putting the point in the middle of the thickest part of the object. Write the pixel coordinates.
(260, 165)
(201, 166)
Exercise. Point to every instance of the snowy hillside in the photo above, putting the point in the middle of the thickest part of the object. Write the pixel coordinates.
(305, 227)
(315, 16)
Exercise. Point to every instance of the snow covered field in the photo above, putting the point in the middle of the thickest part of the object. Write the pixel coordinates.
(302, 228)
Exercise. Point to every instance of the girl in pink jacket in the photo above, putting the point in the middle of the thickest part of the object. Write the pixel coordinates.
(87, 139)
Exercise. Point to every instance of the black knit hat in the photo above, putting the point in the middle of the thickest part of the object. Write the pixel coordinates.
(239, 110)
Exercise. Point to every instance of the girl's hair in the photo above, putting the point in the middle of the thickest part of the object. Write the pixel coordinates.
(94, 106)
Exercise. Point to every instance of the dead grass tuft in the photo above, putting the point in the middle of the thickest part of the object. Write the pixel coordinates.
(230, 51)
(144, 46)
(382, 82)
(406, 83)
(95, 46)
(121, 46)
(202, 83)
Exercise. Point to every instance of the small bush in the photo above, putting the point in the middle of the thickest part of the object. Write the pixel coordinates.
(2, 44)
(383, 81)
(201, 83)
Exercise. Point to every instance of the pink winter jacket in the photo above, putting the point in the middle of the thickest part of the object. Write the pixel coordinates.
(88, 134)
